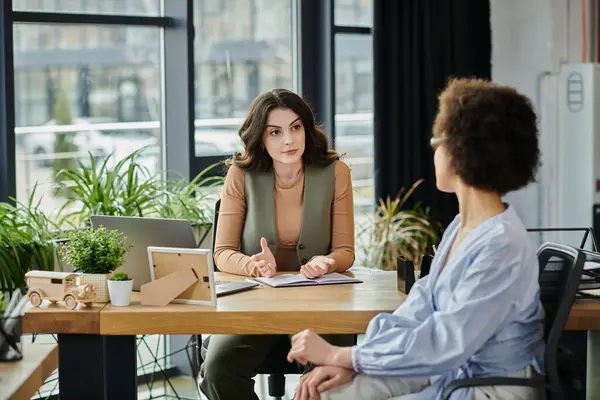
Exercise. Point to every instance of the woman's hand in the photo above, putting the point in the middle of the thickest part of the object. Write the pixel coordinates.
(307, 347)
(322, 379)
(317, 267)
(265, 261)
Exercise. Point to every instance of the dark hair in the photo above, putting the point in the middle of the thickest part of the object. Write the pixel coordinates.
(491, 134)
(254, 157)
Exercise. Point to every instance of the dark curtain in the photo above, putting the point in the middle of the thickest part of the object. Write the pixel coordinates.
(418, 45)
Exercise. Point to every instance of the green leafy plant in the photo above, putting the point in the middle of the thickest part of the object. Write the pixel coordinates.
(3, 304)
(27, 242)
(120, 276)
(126, 189)
(95, 251)
(396, 232)
(189, 200)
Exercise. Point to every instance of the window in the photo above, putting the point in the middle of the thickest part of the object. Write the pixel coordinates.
(108, 90)
(122, 7)
(354, 103)
(242, 48)
(100, 78)
(353, 12)
(354, 111)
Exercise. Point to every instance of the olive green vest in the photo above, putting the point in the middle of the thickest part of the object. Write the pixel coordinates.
(315, 233)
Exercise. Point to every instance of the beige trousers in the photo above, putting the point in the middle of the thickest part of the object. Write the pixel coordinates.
(394, 388)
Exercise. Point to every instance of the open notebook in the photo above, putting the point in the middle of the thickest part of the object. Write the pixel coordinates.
(286, 280)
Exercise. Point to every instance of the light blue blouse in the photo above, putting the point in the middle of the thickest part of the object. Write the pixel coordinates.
(480, 315)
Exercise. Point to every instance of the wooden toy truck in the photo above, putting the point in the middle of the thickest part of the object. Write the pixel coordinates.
(58, 286)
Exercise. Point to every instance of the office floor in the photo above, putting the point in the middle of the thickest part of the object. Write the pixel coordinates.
(185, 387)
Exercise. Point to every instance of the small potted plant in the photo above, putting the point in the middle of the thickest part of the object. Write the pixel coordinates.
(94, 254)
(120, 286)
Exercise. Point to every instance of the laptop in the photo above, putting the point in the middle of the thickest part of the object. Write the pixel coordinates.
(224, 288)
(142, 232)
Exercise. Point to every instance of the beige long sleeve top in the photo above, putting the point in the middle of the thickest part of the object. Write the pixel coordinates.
(288, 222)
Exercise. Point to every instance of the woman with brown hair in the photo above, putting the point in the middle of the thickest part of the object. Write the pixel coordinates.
(287, 205)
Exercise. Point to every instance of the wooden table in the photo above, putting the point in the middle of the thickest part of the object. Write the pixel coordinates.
(56, 318)
(97, 345)
(19, 380)
(346, 308)
(584, 316)
(333, 309)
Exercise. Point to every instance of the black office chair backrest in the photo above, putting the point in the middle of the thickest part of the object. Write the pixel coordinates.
(561, 268)
(214, 231)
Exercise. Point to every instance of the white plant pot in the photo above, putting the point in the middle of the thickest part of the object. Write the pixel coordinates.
(100, 286)
(120, 292)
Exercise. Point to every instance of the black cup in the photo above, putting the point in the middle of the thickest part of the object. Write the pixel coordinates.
(405, 271)
(11, 348)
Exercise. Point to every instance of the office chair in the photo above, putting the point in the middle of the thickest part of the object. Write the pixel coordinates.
(560, 272)
(275, 364)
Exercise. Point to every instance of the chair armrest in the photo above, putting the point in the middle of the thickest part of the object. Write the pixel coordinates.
(537, 382)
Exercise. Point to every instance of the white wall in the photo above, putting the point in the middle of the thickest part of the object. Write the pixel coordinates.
(530, 39)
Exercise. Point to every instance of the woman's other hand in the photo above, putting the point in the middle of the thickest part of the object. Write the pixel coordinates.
(322, 379)
(317, 267)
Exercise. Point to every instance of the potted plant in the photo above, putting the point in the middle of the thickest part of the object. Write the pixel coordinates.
(120, 286)
(398, 236)
(94, 254)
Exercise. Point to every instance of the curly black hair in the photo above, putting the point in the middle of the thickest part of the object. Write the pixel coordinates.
(316, 151)
(490, 132)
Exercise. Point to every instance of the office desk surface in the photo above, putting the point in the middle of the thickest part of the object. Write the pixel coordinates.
(584, 316)
(346, 308)
(21, 379)
(327, 309)
(56, 318)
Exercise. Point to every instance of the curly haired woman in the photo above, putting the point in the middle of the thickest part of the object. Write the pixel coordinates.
(478, 312)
